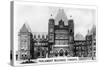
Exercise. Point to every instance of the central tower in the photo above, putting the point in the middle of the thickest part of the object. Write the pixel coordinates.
(61, 35)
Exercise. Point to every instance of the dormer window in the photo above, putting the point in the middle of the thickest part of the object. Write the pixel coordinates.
(38, 36)
(34, 36)
(43, 37)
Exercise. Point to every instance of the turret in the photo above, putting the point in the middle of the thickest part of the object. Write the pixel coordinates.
(71, 29)
(25, 39)
(51, 30)
(71, 26)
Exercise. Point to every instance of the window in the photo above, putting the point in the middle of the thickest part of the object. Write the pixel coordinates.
(94, 48)
(66, 53)
(51, 29)
(38, 53)
(94, 53)
(94, 43)
(57, 42)
(77, 48)
(71, 31)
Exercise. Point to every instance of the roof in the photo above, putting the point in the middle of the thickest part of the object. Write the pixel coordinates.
(61, 16)
(25, 28)
(79, 37)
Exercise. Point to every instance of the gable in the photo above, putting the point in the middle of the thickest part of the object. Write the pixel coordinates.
(61, 16)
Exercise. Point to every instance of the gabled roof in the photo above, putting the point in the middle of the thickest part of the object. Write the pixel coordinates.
(25, 28)
(61, 15)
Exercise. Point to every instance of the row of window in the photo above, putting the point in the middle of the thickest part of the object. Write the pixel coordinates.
(81, 48)
(80, 43)
(61, 36)
(40, 43)
(61, 42)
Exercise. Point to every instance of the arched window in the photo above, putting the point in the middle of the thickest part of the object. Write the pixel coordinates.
(38, 54)
(38, 36)
(43, 36)
(34, 36)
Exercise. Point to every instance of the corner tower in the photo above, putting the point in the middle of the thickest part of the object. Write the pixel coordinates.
(71, 30)
(51, 40)
(25, 39)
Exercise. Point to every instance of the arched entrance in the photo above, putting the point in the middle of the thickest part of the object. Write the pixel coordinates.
(61, 52)
(66, 53)
(44, 53)
(56, 53)
(41, 52)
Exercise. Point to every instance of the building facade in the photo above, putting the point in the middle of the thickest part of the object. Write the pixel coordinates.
(91, 42)
(61, 35)
(80, 48)
(25, 43)
(40, 45)
(58, 42)
(31, 45)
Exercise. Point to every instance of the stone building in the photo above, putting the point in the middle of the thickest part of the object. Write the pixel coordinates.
(25, 42)
(61, 35)
(91, 42)
(40, 41)
(59, 41)
(80, 46)
(32, 45)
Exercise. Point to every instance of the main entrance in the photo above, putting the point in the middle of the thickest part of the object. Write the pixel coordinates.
(61, 53)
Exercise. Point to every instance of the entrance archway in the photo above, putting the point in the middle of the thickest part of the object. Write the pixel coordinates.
(61, 52)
